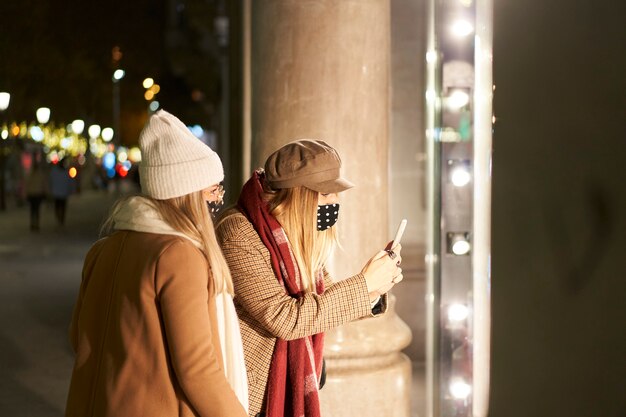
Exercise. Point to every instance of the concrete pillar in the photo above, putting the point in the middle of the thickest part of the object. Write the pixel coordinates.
(320, 69)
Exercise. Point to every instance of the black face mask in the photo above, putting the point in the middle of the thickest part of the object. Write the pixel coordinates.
(327, 216)
(214, 207)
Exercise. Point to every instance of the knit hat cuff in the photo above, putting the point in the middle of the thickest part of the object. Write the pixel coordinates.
(175, 180)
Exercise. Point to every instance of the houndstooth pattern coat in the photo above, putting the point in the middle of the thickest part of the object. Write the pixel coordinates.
(266, 312)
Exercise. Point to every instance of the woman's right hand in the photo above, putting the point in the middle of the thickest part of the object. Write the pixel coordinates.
(382, 272)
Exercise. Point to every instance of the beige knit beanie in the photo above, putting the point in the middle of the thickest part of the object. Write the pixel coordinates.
(173, 161)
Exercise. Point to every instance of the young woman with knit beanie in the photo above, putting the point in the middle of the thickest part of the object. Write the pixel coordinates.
(154, 329)
(277, 242)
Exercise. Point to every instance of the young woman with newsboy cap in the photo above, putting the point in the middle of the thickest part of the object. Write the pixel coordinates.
(277, 242)
(154, 329)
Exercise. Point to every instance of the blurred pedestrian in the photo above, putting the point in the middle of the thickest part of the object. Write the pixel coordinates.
(277, 243)
(154, 329)
(36, 187)
(61, 187)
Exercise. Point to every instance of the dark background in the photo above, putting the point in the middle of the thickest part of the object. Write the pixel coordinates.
(559, 209)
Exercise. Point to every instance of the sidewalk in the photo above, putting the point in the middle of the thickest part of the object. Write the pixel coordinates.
(39, 280)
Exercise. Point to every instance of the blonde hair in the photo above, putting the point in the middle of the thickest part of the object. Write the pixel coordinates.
(188, 215)
(296, 211)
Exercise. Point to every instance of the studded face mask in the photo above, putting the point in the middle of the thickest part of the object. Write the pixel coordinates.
(327, 216)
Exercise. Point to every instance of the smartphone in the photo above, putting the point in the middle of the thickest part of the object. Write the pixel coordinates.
(399, 233)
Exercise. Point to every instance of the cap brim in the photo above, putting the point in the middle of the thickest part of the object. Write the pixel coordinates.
(333, 186)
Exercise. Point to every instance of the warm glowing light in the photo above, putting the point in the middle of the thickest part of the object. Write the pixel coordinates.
(78, 126)
(460, 176)
(431, 95)
(72, 171)
(148, 82)
(122, 156)
(93, 131)
(462, 28)
(458, 312)
(15, 130)
(43, 115)
(461, 247)
(36, 133)
(457, 99)
(155, 89)
(5, 133)
(134, 154)
(107, 134)
(118, 74)
(460, 389)
(493, 119)
(154, 105)
(148, 95)
(5, 99)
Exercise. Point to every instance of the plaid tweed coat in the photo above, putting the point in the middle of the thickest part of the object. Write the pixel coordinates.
(266, 312)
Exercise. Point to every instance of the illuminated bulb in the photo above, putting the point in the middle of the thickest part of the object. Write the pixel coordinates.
(122, 156)
(134, 154)
(460, 389)
(462, 28)
(118, 74)
(43, 115)
(36, 133)
(5, 133)
(457, 99)
(431, 95)
(107, 134)
(458, 312)
(154, 106)
(431, 56)
(94, 131)
(72, 172)
(148, 82)
(148, 95)
(460, 247)
(5, 99)
(78, 126)
(460, 176)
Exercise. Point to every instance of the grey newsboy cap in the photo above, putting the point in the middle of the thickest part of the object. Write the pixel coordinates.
(306, 162)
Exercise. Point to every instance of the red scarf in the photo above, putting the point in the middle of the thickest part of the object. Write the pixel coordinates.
(293, 383)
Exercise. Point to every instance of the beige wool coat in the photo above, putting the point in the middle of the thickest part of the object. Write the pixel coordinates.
(266, 312)
(145, 334)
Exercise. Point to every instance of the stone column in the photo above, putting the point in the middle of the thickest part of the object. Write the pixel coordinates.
(320, 69)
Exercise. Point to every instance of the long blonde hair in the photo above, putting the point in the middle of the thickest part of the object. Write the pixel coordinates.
(190, 216)
(296, 211)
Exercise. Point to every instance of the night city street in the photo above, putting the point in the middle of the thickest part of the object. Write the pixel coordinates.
(40, 277)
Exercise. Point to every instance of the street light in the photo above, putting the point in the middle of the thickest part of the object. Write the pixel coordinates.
(94, 131)
(43, 115)
(78, 126)
(118, 74)
(107, 134)
(5, 99)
